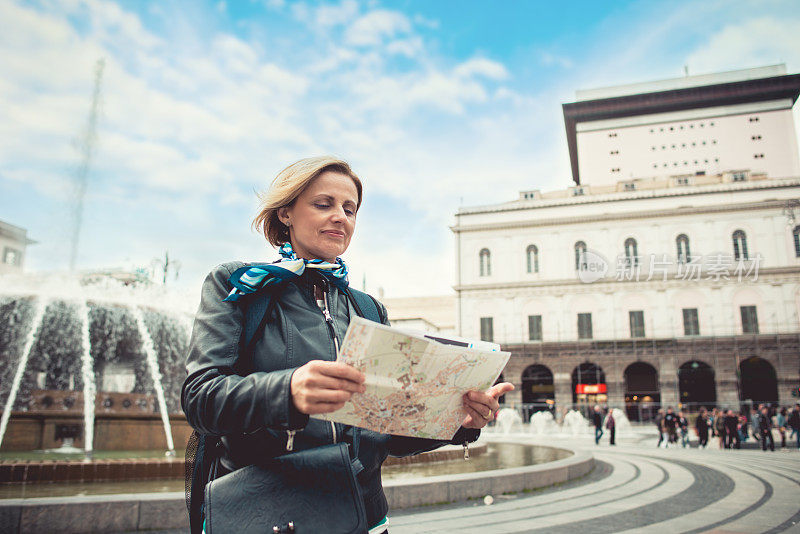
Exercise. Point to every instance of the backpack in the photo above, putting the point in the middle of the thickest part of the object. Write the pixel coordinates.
(202, 450)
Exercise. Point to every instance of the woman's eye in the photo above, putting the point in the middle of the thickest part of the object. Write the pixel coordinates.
(321, 206)
(349, 211)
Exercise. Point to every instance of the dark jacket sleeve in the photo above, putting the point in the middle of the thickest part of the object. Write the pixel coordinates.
(214, 398)
(408, 446)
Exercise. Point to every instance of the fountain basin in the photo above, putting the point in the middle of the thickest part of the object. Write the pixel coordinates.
(149, 511)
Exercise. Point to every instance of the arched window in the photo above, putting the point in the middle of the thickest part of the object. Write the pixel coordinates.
(740, 246)
(631, 252)
(580, 255)
(683, 249)
(486, 262)
(533, 259)
(796, 233)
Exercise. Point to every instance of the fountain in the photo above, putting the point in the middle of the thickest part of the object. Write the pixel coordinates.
(542, 423)
(508, 419)
(576, 423)
(85, 352)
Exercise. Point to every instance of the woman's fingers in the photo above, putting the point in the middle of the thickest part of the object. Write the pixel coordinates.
(481, 406)
(322, 387)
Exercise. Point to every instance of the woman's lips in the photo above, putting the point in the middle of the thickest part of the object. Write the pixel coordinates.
(334, 233)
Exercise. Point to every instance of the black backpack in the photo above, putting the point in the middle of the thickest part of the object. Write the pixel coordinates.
(202, 450)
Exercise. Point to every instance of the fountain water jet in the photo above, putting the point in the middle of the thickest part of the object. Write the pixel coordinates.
(152, 363)
(36, 325)
(89, 386)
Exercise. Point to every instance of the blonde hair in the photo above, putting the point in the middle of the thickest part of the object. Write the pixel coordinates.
(287, 186)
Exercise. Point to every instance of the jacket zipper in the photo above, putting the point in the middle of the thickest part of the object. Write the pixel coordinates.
(329, 320)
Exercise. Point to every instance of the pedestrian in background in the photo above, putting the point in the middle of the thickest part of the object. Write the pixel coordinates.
(670, 426)
(683, 427)
(701, 427)
(719, 427)
(611, 425)
(660, 426)
(794, 422)
(597, 419)
(780, 420)
(765, 429)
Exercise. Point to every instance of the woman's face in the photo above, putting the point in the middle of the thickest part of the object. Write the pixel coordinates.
(322, 219)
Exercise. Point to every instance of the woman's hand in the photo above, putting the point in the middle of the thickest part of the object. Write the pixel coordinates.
(323, 387)
(481, 406)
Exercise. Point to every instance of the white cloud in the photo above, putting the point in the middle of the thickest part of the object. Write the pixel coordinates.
(371, 29)
(752, 43)
(549, 59)
(482, 67)
(337, 14)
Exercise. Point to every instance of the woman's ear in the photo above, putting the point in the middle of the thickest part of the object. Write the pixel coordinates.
(283, 216)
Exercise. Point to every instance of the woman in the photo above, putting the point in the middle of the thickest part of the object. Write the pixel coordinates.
(259, 403)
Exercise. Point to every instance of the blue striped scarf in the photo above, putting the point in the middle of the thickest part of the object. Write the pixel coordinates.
(246, 280)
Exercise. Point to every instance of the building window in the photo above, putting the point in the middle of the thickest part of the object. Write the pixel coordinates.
(690, 325)
(630, 187)
(749, 319)
(796, 234)
(486, 262)
(637, 323)
(740, 246)
(758, 156)
(615, 169)
(753, 119)
(631, 252)
(533, 259)
(755, 137)
(614, 152)
(739, 177)
(535, 327)
(487, 329)
(580, 256)
(684, 256)
(577, 191)
(11, 256)
(612, 134)
(584, 326)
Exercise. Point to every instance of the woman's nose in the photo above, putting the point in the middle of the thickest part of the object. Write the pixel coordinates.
(338, 214)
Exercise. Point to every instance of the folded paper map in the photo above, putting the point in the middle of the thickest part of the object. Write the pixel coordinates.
(414, 383)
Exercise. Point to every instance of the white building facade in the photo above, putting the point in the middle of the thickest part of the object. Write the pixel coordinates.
(677, 284)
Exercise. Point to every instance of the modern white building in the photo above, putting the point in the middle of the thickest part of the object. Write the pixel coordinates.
(643, 283)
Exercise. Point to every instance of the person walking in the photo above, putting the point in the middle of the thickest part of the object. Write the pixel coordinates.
(683, 426)
(780, 420)
(597, 419)
(611, 425)
(660, 426)
(719, 427)
(765, 429)
(730, 423)
(794, 423)
(701, 427)
(670, 426)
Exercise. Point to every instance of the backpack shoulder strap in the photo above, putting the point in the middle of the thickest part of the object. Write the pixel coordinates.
(255, 311)
(366, 306)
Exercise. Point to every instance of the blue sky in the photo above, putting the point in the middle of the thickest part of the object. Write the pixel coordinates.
(435, 104)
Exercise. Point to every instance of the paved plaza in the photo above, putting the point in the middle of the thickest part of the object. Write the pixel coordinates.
(637, 487)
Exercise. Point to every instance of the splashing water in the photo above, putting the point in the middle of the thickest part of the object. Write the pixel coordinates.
(89, 386)
(542, 423)
(152, 363)
(36, 325)
(576, 422)
(508, 420)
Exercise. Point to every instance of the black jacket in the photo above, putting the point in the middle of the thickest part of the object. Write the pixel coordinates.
(247, 400)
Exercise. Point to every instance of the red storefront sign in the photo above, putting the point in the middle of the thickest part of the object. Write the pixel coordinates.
(590, 389)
